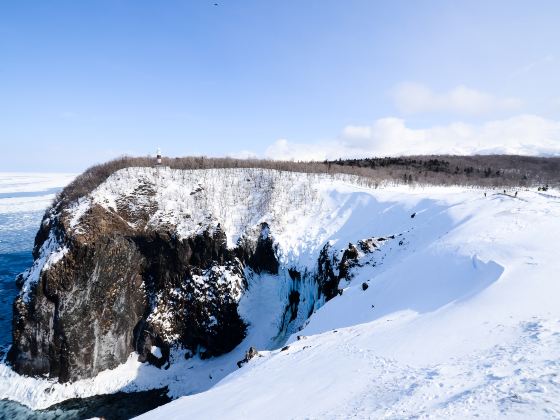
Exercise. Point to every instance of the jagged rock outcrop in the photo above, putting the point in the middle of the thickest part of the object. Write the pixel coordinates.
(331, 269)
(117, 290)
(328, 272)
(260, 254)
(249, 354)
(73, 320)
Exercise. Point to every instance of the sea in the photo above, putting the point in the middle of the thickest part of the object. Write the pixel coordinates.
(24, 198)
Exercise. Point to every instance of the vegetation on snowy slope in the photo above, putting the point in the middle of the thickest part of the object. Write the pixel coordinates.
(490, 170)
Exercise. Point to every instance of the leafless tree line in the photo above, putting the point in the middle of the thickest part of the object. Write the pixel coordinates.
(485, 171)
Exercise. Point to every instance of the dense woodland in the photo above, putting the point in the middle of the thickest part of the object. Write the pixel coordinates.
(485, 171)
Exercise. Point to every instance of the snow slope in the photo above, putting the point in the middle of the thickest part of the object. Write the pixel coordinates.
(461, 321)
(459, 317)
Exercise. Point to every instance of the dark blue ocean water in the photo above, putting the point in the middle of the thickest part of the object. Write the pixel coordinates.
(17, 233)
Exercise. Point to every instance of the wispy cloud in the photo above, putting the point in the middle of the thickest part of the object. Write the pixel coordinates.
(416, 98)
(527, 68)
(524, 134)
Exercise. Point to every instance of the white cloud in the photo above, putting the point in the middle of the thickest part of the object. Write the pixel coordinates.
(357, 132)
(243, 154)
(282, 149)
(524, 134)
(415, 98)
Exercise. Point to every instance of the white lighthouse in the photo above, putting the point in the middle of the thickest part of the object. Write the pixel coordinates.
(158, 157)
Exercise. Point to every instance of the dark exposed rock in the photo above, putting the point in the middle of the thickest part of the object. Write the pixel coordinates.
(349, 260)
(145, 340)
(91, 309)
(41, 236)
(294, 274)
(285, 348)
(264, 257)
(330, 270)
(326, 277)
(117, 406)
(290, 311)
(75, 324)
(367, 245)
(20, 280)
(260, 255)
(197, 190)
(293, 302)
(365, 286)
(249, 354)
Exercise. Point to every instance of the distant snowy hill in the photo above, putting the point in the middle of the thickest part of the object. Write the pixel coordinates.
(447, 306)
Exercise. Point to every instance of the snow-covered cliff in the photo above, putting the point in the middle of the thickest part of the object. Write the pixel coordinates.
(156, 260)
(188, 269)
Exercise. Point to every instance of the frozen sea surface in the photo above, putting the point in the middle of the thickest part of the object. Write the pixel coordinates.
(23, 199)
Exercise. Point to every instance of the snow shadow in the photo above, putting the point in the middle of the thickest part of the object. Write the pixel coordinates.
(420, 276)
(366, 216)
(420, 284)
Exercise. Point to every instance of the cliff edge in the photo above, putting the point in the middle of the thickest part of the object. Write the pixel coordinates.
(155, 259)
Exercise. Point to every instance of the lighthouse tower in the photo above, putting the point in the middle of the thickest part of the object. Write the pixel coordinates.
(158, 157)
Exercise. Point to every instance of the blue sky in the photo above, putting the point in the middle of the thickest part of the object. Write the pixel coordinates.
(82, 82)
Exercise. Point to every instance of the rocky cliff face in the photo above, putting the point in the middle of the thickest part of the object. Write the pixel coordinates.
(152, 261)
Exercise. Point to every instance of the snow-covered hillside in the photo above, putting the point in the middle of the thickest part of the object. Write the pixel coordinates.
(450, 309)
(462, 320)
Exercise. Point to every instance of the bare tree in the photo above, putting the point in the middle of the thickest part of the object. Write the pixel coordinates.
(484, 171)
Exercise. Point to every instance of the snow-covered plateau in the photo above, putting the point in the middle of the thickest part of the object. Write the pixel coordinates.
(447, 307)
